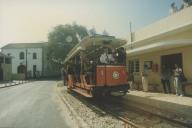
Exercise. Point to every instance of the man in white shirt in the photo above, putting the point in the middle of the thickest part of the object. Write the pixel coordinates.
(103, 58)
(106, 58)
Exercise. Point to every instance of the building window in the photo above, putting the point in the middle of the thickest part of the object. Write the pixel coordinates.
(1, 60)
(8, 60)
(21, 69)
(134, 66)
(34, 55)
(137, 66)
(21, 55)
(131, 67)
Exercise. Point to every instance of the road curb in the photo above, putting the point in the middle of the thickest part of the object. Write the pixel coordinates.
(78, 119)
(15, 84)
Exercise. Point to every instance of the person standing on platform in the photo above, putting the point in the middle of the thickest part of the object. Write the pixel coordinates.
(145, 79)
(131, 81)
(165, 79)
(177, 80)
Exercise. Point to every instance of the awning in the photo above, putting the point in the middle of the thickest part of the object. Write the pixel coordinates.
(159, 46)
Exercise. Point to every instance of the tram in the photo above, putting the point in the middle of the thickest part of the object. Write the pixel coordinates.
(96, 67)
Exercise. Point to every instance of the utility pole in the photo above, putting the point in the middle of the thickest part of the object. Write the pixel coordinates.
(26, 66)
(131, 35)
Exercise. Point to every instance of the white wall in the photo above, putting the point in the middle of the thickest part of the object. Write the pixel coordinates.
(30, 61)
(180, 19)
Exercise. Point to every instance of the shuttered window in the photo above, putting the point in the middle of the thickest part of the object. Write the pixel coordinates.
(134, 66)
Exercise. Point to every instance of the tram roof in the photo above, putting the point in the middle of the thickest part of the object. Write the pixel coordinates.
(97, 41)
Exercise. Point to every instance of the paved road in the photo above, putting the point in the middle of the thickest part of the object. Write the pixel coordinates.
(32, 105)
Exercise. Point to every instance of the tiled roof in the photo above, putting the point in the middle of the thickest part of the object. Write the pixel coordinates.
(23, 45)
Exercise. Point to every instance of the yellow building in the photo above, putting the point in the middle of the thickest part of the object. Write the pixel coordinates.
(166, 42)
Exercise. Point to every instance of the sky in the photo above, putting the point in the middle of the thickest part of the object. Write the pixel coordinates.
(28, 21)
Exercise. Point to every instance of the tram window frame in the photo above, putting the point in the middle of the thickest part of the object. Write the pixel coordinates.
(134, 66)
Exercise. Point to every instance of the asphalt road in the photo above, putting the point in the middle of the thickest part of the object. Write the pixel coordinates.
(32, 105)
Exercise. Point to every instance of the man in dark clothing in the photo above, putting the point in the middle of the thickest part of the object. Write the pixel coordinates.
(121, 56)
(77, 72)
(165, 79)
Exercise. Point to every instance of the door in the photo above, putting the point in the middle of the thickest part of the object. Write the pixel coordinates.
(1, 74)
(34, 71)
(169, 61)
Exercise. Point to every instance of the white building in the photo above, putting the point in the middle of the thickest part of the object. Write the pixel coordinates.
(26, 56)
(162, 44)
(32, 56)
(5, 67)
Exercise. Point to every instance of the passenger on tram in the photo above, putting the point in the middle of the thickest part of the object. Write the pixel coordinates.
(77, 72)
(121, 56)
(107, 57)
(93, 72)
(69, 68)
(111, 58)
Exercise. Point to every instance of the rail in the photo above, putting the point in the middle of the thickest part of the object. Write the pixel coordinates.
(118, 109)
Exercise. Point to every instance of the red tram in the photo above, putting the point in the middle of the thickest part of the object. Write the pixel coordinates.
(96, 66)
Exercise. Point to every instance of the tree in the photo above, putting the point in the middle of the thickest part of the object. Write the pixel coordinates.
(63, 38)
(92, 32)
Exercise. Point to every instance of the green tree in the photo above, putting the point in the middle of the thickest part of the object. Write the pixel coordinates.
(63, 38)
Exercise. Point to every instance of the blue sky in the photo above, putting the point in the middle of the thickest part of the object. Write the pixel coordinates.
(31, 20)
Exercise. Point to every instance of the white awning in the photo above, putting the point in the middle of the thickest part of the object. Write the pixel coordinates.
(159, 46)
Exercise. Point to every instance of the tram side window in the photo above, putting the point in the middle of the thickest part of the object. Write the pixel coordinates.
(134, 66)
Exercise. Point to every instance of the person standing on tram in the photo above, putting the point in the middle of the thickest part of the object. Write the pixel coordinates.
(121, 56)
(106, 58)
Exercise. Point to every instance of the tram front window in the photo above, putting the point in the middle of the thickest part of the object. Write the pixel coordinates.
(117, 57)
(107, 57)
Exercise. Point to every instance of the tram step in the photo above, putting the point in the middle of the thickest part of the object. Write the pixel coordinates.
(82, 92)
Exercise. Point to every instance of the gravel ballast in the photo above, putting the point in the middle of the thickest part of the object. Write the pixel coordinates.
(89, 115)
(93, 117)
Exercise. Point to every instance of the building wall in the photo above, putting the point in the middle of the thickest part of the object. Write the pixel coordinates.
(154, 77)
(175, 21)
(16, 61)
(6, 71)
(184, 35)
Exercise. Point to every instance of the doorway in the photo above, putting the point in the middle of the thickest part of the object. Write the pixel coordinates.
(169, 61)
(34, 71)
(1, 73)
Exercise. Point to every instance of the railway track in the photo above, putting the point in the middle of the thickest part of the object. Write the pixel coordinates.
(149, 114)
(132, 117)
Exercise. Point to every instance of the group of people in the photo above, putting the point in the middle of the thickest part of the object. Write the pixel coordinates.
(113, 57)
(178, 76)
(168, 75)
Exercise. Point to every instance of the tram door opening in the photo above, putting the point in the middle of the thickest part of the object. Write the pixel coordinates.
(170, 60)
